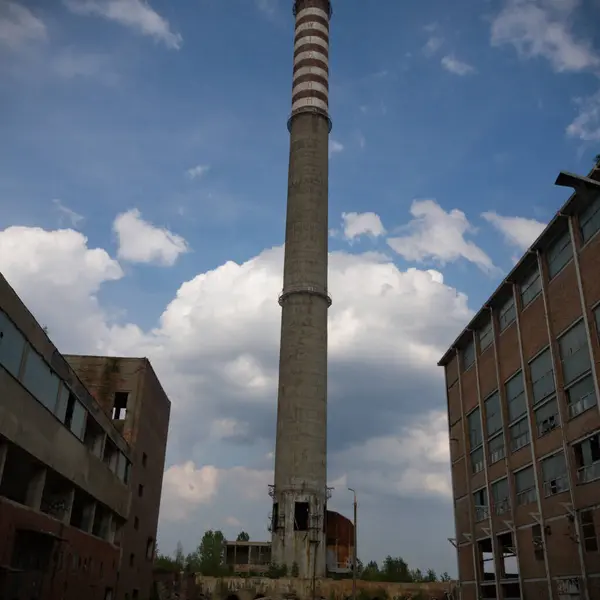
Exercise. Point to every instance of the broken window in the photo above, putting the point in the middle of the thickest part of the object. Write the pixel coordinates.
(587, 458)
(123, 468)
(111, 455)
(554, 471)
(149, 548)
(301, 512)
(94, 437)
(140, 490)
(12, 345)
(144, 459)
(486, 560)
(588, 531)
(131, 559)
(589, 219)
(546, 417)
(480, 500)
(477, 460)
(119, 410)
(475, 436)
(508, 552)
(275, 517)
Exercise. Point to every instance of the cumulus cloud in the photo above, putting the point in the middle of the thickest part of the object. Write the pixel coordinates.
(138, 15)
(542, 28)
(19, 26)
(198, 171)
(586, 125)
(437, 235)
(143, 242)
(517, 231)
(335, 147)
(215, 349)
(357, 224)
(458, 67)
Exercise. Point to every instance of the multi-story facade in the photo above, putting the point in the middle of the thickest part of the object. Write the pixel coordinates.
(524, 420)
(131, 396)
(64, 470)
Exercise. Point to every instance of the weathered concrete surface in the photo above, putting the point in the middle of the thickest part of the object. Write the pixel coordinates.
(241, 588)
(301, 441)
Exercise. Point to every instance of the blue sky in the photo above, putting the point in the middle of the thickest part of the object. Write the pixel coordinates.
(144, 147)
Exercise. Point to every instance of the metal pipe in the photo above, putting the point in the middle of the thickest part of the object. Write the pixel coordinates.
(354, 553)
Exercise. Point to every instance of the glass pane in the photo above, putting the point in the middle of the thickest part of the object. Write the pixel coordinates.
(486, 336)
(542, 376)
(12, 344)
(40, 381)
(492, 413)
(574, 352)
(515, 397)
(122, 467)
(507, 314)
(469, 355)
(530, 287)
(589, 219)
(475, 436)
(500, 490)
(61, 406)
(78, 420)
(559, 254)
(554, 467)
(524, 479)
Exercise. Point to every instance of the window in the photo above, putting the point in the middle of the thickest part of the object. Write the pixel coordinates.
(546, 417)
(123, 468)
(149, 548)
(135, 594)
(12, 345)
(486, 335)
(477, 460)
(136, 523)
(506, 314)
(515, 397)
(468, 355)
(587, 459)
(554, 472)
(493, 416)
(140, 490)
(496, 448)
(581, 396)
(131, 559)
(574, 352)
(78, 416)
(589, 219)
(301, 511)
(144, 459)
(474, 421)
(525, 486)
(531, 287)
(559, 254)
(519, 435)
(588, 531)
(119, 410)
(39, 379)
(538, 542)
(501, 496)
(542, 376)
(481, 505)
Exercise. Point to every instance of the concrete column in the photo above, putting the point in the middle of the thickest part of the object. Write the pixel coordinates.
(35, 489)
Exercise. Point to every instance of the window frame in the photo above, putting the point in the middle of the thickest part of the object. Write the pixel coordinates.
(10, 327)
(527, 434)
(501, 505)
(562, 476)
(496, 454)
(510, 400)
(593, 208)
(533, 278)
(580, 323)
(506, 308)
(497, 413)
(468, 350)
(557, 244)
(533, 368)
(486, 333)
(520, 493)
(555, 414)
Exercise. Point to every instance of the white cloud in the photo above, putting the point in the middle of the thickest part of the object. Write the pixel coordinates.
(135, 14)
(586, 125)
(438, 235)
(542, 28)
(74, 218)
(517, 231)
(142, 242)
(433, 44)
(356, 224)
(335, 147)
(198, 171)
(19, 26)
(452, 64)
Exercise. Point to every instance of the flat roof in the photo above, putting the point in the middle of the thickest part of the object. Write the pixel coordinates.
(550, 231)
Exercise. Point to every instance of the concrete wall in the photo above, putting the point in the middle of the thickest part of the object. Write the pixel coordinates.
(145, 428)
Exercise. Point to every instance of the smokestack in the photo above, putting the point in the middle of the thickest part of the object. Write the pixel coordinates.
(300, 491)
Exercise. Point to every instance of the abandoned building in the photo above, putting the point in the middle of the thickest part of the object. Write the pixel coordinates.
(73, 478)
(129, 392)
(524, 418)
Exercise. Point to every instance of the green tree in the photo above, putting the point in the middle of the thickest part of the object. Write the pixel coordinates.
(431, 575)
(445, 577)
(370, 572)
(395, 570)
(179, 556)
(243, 537)
(416, 575)
(210, 553)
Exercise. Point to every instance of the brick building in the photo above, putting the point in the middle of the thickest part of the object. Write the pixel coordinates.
(130, 394)
(64, 469)
(524, 419)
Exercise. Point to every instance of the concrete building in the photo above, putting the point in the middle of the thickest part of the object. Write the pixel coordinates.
(300, 490)
(131, 396)
(524, 419)
(64, 472)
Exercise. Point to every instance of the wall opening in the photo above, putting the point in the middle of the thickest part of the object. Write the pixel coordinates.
(101, 525)
(486, 560)
(119, 409)
(81, 514)
(56, 497)
(510, 565)
(232, 597)
(32, 550)
(94, 437)
(111, 455)
(19, 469)
(301, 512)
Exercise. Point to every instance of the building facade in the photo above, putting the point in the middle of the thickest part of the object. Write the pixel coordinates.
(64, 472)
(524, 421)
(131, 396)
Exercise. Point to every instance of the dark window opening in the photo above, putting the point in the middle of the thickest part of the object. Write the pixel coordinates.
(131, 559)
(70, 410)
(588, 531)
(325, 517)
(94, 437)
(136, 523)
(101, 525)
(19, 468)
(149, 548)
(119, 411)
(508, 552)
(32, 550)
(538, 542)
(301, 511)
(56, 497)
(81, 514)
(135, 594)
(487, 567)
(275, 517)
(111, 455)
(140, 490)
(144, 459)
